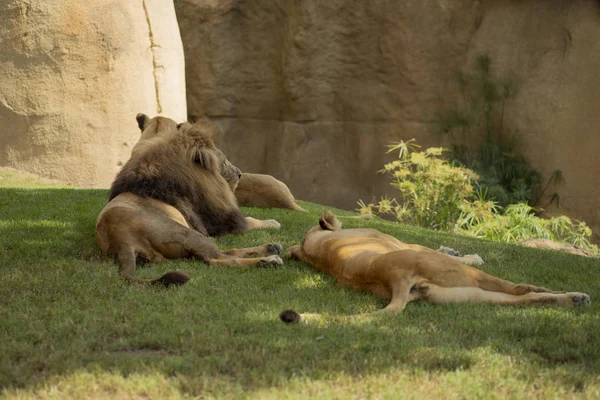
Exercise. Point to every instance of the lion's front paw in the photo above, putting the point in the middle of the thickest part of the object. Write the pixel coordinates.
(271, 224)
(271, 261)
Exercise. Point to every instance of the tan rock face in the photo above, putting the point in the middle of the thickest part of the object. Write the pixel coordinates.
(74, 75)
(312, 91)
(551, 50)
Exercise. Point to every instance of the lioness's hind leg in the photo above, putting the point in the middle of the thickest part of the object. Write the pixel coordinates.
(492, 283)
(445, 295)
(402, 294)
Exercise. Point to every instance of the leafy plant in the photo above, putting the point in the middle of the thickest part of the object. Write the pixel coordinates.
(439, 194)
(431, 189)
(518, 222)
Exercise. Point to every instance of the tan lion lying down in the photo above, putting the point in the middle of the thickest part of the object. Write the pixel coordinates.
(261, 190)
(380, 264)
(175, 190)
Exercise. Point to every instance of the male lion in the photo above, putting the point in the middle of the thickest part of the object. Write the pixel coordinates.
(175, 190)
(378, 263)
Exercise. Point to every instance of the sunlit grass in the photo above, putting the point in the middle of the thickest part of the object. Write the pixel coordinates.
(10, 177)
(71, 328)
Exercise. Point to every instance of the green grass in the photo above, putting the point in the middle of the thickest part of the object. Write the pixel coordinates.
(71, 328)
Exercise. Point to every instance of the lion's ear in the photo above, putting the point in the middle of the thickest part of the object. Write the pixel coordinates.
(142, 120)
(205, 158)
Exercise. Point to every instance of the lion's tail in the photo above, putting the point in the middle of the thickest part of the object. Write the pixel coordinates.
(329, 222)
(171, 278)
(168, 279)
(290, 316)
(293, 317)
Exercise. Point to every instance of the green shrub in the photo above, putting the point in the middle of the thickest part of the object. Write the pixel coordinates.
(432, 190)
(436, 193)
(484, 219)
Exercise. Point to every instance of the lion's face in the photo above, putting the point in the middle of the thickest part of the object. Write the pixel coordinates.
(197, 138)
(230, 172)
(206, 155)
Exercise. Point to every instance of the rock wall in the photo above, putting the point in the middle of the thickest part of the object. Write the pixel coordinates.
(312, 91)
(74, 74)
(552, 52)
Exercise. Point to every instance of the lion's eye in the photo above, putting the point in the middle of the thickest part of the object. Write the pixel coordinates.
(179, 126)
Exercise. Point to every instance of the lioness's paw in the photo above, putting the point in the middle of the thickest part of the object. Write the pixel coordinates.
(274, 248)
(271, 224)
(449, 251)
(472, 259)
(271, 261)
(579, 299)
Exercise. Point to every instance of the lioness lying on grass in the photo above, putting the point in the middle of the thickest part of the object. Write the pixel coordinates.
(176, 189)
(260, 190)
(380, 264)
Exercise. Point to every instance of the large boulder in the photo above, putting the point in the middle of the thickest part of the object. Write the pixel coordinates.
(73, 76)
(312, 91)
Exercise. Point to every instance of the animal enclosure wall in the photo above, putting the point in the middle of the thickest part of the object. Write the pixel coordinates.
(73, 76)
(312, 91)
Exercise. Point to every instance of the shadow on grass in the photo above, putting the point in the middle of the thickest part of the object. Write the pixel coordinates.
(49, 222)
(72, 315)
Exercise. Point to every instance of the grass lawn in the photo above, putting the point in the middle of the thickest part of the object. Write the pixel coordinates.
(70, 327)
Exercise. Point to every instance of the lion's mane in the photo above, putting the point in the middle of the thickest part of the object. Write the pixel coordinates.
(185, 170)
